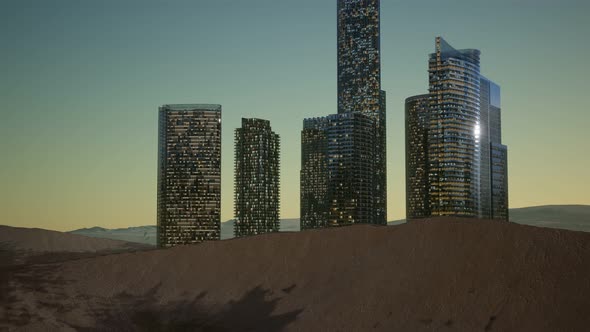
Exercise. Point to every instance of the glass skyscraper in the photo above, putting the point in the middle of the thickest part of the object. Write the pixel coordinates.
(189, 174)
(343, 171)
(455, 162)
(494, 162)
(454, 131)
(256, 178)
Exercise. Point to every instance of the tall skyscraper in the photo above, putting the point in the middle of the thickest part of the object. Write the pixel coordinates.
(494, 184)
(454, 131)
(256, 185)
(494, 170)
(359, 83)
(417, 122)
(189, 174)
(343, 171)
(455, 162)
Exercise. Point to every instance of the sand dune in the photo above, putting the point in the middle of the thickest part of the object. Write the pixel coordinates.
(40, 240)
(455, 275)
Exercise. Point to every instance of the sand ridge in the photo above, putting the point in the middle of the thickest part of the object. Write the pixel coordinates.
(437, 275)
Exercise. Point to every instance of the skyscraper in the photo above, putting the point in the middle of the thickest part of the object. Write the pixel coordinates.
(256, 185)
(359, 83)
(454, 131)
(455, 162)
(417, 122)
(495, 186)
(494, 170)
(189, 174)
(337, 164)
(343, 171)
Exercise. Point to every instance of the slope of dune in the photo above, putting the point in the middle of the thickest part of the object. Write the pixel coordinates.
(437, 275)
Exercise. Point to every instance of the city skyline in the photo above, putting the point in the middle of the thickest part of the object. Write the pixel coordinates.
(76, 87)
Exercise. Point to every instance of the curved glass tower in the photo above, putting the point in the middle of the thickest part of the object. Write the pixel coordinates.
(454, 129)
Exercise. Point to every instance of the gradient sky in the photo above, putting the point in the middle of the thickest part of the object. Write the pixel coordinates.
(81, 81)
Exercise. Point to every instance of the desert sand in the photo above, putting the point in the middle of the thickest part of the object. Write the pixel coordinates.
(437, 275)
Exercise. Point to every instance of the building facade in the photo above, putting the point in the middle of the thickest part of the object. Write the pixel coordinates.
(359, 82)
(256, 178)
(499, 180)
(454, 129)
(189, 174)
(343, 166)
(453, 135)
(494, 161)
(337, 160)
(417, 121)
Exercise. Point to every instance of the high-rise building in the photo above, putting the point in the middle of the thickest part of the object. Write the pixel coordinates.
(456, 164)
(499, 175)
(189, 174)
(359, 83)
(494, 171)
(256, 185)
(343, 171)
(454, 131)
(336, 170)
(417, 122)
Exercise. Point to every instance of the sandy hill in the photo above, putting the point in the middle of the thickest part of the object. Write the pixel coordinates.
(438, 275)
(33, 244)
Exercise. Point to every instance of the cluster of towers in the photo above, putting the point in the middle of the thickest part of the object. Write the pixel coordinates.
(189, 176)
(456, 164)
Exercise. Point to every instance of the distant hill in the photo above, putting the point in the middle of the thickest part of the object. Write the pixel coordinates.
(571, 217)
(147, 234)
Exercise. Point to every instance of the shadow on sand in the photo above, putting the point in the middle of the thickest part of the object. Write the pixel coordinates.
(253, 312)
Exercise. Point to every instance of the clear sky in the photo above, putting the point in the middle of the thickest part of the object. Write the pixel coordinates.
(81, 81)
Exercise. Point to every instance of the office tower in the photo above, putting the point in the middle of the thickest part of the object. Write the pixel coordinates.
(494, 170)
(359, 83)
(343, 166)
(454, 129)
(499, 174)
(417, 122)
(456, 164)
(189, 174)
(256, 183)
(336, 167)
(497, 179)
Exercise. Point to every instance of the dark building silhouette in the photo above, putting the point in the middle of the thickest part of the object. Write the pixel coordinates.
(417, 122)
(189, 174)
(494, 184)
(343, 171)
(453, 134)
(256, 185)
(359, 83)
(336, 165)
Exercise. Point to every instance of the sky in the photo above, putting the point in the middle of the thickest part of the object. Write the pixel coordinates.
(81, 82)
